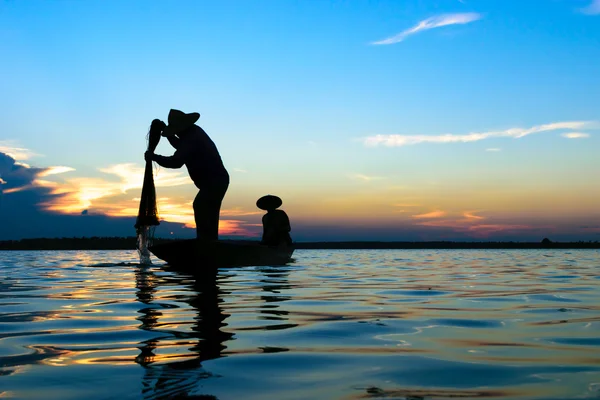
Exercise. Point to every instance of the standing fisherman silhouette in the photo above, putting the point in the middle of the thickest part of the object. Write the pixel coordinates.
(196, 150)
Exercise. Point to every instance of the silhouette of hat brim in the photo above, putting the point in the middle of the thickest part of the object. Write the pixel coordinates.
(269, 202)
(179, 121)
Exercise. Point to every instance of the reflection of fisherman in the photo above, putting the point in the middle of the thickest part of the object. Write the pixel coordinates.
(175, 380)
(197, 151)
(276, 224)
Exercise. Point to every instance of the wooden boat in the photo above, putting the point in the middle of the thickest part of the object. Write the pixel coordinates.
(192, 255)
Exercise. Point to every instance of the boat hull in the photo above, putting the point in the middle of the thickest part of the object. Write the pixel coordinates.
(192, 255)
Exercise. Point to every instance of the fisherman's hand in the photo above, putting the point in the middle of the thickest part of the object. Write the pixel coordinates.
(148, 155)
(159, 124)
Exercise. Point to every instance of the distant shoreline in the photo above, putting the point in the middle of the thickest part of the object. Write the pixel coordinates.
(129, 243)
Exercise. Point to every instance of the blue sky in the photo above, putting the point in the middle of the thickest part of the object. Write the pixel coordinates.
(289, 90)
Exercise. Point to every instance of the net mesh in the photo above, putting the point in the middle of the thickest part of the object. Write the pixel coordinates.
(147, 217)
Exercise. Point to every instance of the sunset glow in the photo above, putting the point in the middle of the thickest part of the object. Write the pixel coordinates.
(411, 121)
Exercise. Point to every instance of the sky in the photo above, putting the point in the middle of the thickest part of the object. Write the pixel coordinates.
(372, 120)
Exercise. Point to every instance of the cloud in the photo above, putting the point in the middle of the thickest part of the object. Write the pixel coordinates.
(493, 149)
(433, 214)
(404, 140)
(474, 229)
(81, 206)
(366, 178)
(238, 212)
(470, 215)
(592, 9)
(430, 23)
(575, 135)
(16, 152)
(132, 176)
(471, 225)
(16, 176)
(55, 170)
(243, 171)
(81, 193)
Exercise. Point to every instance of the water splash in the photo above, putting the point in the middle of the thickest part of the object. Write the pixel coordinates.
(144, 241)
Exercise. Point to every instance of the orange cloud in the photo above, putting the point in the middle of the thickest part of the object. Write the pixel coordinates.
(470, 223)
(79, 194)
(238, 212)
(178, 212)
(104, 196)
(433, 214)
(132, 177)
(470, 215)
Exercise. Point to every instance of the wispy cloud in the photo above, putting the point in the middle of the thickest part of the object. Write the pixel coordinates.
(243, 171)
(592, 9)
(238, 212)
(576, 135)
(366, 178)
(493, 149)
(472, 224)
(132, 176)
(471, 215)
(477, 230)
(81, 193)
(431, 23)
(14, 150)
(404, 140)
(105, 195)
(433, 214)
(55, 170)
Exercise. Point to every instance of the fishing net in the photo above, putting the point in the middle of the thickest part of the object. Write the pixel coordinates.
(147, 218)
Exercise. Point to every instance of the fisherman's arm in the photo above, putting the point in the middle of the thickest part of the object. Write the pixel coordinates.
(174, 140)
(175, 161)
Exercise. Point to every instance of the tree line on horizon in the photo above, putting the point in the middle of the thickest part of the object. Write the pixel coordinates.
(129, 243)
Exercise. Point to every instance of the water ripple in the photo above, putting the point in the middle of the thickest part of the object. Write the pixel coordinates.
(334, 324)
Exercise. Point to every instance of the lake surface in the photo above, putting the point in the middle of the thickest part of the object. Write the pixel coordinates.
(343, 324)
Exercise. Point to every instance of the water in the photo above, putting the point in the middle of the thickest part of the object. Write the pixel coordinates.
(144, 234)
(356, 324)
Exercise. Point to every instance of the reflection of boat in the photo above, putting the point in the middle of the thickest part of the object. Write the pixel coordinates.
(225, 253)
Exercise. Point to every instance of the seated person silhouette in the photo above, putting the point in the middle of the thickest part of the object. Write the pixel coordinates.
(276, 224)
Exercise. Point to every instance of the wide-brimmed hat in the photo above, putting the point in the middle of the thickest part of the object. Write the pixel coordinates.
(179, 121)
(269, 202)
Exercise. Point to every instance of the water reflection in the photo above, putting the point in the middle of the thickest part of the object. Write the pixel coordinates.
(274, 281)
(339, 325)
(179, 378)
